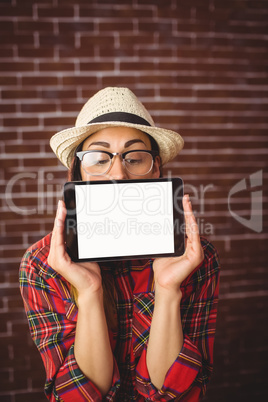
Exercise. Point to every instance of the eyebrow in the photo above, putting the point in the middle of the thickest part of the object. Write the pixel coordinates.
(101, 143)
(107, 145)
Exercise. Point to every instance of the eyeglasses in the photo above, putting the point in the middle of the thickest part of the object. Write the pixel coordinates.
(136, 162)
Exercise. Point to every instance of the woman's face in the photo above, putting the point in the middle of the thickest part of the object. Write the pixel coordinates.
(119, 139)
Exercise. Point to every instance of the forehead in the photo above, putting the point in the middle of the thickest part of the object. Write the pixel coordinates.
(117, 136)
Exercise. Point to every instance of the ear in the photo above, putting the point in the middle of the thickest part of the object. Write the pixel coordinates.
(156, 167)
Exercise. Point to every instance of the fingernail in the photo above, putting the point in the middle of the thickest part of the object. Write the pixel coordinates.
(188, 199)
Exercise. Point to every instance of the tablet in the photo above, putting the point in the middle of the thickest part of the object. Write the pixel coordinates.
(124, 219)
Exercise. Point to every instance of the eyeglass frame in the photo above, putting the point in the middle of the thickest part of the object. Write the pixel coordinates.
(153, 153)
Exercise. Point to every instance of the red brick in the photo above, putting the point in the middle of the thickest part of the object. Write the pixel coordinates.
(25, 39)
(4, 356)
(155, 26)
(88, 40)
(74, 106)
(17, 253)
(47, 2)
(22, 148)
(154, 52)
(108, 12)
(54, 12)
(96, 66)
(10, 240)
(133, 40)
(86, 2)
(127, 81)
(250, 15)
(258, 42)
(144, 92)
(7, 52)
(7, 108)
(8, 80)
(247, 29)
(30, 25)
(58, 93)
(20, 378)
(129, 12)
(178, 40)
(89, 10)
(18, 11)
(181, 11)
(49, 39)
(20, 122)
(17, 94)
(21, 204)
(78, 53)
(9, 163)
(31, 396)
(207, 41)
(122, 51)
(37, 135)
(137, 65)
(40, 162)
(41, 107)
(225, 93)
(5, 379)
(38, 53)
(67, 27)
(56, 66)
(17, 67)
(175, 92)
(160, 3)
(6, 26)
(49, 225)
(75, 80)
(116, 26)
(58, 121)
(257, 81)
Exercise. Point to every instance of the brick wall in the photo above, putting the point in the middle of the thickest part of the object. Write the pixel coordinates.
(200, 66)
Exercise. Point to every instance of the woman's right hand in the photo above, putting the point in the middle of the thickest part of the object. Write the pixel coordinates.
(85, 277)
(92, 348)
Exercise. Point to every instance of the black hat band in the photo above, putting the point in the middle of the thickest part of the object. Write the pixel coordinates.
(120, 116)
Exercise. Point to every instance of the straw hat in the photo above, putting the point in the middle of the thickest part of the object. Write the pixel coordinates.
(113, 107)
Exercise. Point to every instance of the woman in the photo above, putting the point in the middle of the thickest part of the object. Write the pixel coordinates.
(132, 330)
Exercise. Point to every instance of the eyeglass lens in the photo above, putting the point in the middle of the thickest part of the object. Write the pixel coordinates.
(136, 163)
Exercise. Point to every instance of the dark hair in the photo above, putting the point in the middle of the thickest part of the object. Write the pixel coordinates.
(74, 173)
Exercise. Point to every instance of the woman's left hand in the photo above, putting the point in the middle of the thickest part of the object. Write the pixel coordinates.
(170, 272)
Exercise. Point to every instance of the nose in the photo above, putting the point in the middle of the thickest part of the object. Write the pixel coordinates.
(117, 171)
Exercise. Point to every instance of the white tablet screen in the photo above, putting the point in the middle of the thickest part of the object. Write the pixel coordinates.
(124, 219)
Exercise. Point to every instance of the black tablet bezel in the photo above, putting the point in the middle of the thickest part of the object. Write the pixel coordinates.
(71, 219)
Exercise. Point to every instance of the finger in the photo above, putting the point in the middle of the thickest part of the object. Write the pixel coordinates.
(57, 239)
(193, 248)
(192, 231)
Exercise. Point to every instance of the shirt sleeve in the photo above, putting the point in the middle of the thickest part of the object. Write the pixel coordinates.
(52, 320)
(187, 378)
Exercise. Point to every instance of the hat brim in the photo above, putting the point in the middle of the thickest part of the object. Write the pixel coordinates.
(65, 142)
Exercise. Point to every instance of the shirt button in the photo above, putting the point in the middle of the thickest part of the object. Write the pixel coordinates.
(128, 358)
(129, 314)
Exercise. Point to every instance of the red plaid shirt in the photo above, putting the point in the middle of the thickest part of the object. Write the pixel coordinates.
(52, 317)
